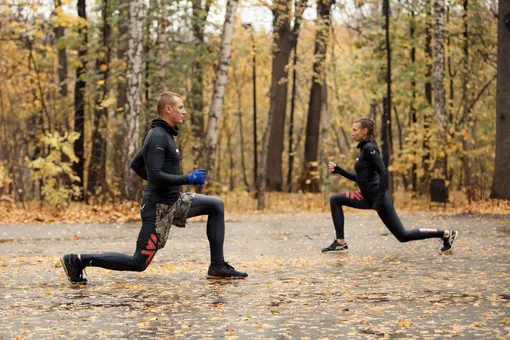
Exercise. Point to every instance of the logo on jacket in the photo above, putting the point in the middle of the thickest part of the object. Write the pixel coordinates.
(158, 147)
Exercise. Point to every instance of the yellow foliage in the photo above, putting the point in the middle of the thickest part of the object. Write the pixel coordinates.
(51, 168)
(4, 174)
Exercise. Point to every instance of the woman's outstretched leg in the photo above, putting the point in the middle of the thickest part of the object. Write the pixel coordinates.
(391, 220)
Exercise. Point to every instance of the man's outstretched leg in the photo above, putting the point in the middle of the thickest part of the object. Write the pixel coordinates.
(146, 248)
(213, 208)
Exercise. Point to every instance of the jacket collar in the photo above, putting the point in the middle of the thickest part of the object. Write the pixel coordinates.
(363, 143)
(172, 130)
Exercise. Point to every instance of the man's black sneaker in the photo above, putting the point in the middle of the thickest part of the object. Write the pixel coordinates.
(449, 241)
(73, 269)
(224, 271)
(336, 247)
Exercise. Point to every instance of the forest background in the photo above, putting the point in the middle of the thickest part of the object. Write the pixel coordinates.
(271, 89)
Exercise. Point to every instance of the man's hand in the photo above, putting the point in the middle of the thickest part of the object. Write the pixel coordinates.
(331, 166)
(196, 177)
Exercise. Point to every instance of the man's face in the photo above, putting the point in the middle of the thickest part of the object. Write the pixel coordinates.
(175, 112)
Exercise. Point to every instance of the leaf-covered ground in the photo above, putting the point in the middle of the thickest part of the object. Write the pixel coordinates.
(235, 203)
(381, 288)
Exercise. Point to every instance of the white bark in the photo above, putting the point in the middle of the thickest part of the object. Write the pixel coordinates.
(219, 87)
(134, 83)
(438, 64)
(162, 45)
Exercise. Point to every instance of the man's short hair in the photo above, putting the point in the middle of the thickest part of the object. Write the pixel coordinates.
(166, 98)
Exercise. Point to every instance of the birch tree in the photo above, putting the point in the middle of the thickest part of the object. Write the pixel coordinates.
(220, 83)
(162, 56)
(134, 88)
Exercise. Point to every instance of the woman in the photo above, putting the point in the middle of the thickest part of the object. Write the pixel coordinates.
(372, 179)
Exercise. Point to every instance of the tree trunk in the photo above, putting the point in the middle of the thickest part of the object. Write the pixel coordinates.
(401, 145)
(501, 186)
(324, 159)
(255, 139)
(427, 119)
(134, 96)
(120, 107)
(79, 100)
(437, 81)
(309, 180)
(97, 166)
(278, 93)
(386, 136)
(230, 151)
(238, 88)
(300, 7)
(220, 83)
(150, 49)
(413, 120)
(199, 19)
(465, 104)
(162, 55)
(62, 58)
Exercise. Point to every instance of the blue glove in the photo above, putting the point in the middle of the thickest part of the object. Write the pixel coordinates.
(196, 177)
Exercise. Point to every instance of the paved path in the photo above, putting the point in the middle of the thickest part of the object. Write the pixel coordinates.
(381, 288)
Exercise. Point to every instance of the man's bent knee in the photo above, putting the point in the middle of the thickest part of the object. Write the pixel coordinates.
(218, 204)
(140, 267)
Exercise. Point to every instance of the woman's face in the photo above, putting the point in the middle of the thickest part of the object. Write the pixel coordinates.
(358, 133)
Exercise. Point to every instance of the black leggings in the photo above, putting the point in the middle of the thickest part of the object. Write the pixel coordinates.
(387, 214)
(147, 242)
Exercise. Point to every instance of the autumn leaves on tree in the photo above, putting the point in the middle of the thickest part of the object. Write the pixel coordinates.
(80, 83)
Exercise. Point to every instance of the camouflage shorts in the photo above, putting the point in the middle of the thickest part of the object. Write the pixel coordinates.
(175, 214)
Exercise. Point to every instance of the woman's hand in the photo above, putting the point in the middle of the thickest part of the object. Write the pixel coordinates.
(331, 166)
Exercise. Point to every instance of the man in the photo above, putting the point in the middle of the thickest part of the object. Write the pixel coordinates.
(163, 204)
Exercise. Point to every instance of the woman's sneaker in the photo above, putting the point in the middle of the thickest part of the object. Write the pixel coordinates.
(449, 242)
(336, 247)
(224, 271)
(72, 266)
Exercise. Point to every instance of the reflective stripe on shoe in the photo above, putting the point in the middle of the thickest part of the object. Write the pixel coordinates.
(449, 243)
